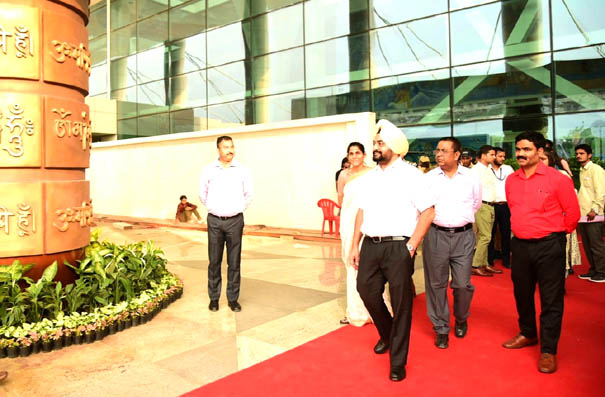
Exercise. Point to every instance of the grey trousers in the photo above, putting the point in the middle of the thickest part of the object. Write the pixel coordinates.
(223, 232)
(444, 251)
(592, 240)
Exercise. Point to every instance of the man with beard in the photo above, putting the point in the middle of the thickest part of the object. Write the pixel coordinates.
(543, 207)
(226, 191)
(394, 214)
(501, 212)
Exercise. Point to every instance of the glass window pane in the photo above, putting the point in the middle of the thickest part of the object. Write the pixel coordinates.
(127, 102)
(580, 79)
(500, 30)
(123, 72)
(124, 42)
(512, 88)
(223, 12)
(146, 8)
(577, 23)
(189, 120)
(229, 43)
(97, 83)
(260, 6)
(188, 90)
(390, 12)
(456, 4)
(123, 12)
(152, 64)
(188, 55)
(573, 129)
(326, 19)
(127, 128)
(97, 25)
(279, 107)
(151, 97)
(277, 30)
(410, 47)
(229, 82)
(98, 50)
(339, 99)
(152, 31)
(419, 98)
(188, 19)
(337, 61)
(423, 140)
(230, 114)
(155, 124)
(272, 76)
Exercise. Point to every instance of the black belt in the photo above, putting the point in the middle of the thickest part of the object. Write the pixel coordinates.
(500, 203)
(224, 218)
(545, 238)
(488, 203)
(453, 229)
(379, 239)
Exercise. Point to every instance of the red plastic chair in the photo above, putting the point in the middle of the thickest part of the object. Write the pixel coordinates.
(328, 207)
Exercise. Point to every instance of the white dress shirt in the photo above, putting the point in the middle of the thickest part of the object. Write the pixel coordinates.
(488, 182)
(225, 191)
(500, 175)
(392, 200)
(457, 198)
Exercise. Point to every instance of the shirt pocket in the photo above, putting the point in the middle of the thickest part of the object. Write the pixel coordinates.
(549, 200)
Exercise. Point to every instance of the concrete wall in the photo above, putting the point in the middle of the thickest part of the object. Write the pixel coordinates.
(292, 164)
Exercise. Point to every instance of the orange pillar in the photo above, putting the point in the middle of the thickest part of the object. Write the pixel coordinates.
(45, 134)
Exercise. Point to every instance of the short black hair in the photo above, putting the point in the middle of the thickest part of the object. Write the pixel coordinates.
(359, 145)
(182, 197)
(343, 162)
(585, 147)
(534, 137)
(499, 149)
(455, 143)
(222, 138)
(485, 149)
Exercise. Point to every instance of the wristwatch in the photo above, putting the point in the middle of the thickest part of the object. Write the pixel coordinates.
(410, 247)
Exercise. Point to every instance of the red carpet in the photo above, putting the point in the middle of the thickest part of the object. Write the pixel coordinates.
(342, 362)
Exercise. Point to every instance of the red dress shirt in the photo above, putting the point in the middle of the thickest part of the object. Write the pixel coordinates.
(542, 204)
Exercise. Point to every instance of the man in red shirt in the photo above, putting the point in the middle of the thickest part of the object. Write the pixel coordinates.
(544, 207)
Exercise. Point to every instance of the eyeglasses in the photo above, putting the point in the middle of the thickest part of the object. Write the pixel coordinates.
(442, 151)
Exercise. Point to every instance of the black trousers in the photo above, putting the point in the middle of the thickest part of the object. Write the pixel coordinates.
(223, 232)
(592, 240)
(502, 221)
(379, 263)
(541, 262)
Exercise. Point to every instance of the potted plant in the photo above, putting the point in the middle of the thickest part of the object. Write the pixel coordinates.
(90, 334)
(47, 342)
(3, 346)
(36, 342)
(12, 348)
(25, 346)
(57, 338)
(79, 333)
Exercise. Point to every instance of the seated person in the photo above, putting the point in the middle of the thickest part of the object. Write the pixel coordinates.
(184, 211)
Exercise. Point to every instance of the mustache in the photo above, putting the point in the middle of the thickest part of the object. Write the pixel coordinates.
(521, 158)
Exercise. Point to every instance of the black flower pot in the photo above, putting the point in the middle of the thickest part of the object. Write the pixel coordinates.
(58, 343)
(113, 328)
(78, 339)
(12, 352)
(136, 320)
(90, 337)
(127, 323)
(100, 334)
(37, 346)
(2, 352)
(121, 325)
(25, 351)
(165, 303)
(47, 346)
(68, 340)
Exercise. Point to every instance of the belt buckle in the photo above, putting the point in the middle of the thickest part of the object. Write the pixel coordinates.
(376, 239)
(451, 230)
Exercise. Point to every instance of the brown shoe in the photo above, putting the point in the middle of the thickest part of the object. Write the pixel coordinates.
(490, 269)
(547, 363)
(478, 271)
(519, 341)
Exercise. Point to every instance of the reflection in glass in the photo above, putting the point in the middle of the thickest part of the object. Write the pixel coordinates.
(155, 124)
(123, 12)
(229, 43)
(327, 19)
(577, 23)
(410, 47)
(351, 54)
(97, 83)
(98, 50)
(339, 99)
(152, 31)
(512, 88)
(231, 114)
(272, 76)
(188, 90)
(423, 140)
(223, 12)
(455, 4)
(229, 82)
(127, 102)
(493, 31)
(573, 129)
(124, 42)
(146, 8)
(277, 30)
(189, 120)
(260, 6)
(188, 55)
(580, 79)
(187, 20)
(127, 128)
(123, 72)
(151, 97)
(419, 98)
(279, 107)
(389, 12)
(97, 22)
(152, 64)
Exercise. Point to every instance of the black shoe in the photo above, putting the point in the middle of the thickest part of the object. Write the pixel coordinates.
(213, 306)
(441, 341)
(460, 329)
(381, 347)
(344, 321)
(397, 374)
(234, 306)
(598, 278)
(588, 275)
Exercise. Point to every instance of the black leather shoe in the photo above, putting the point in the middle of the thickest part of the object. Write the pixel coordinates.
(397, 374)
(213, 306)
(234, 306)
(381, 347)
(460, 329)
(441, 341)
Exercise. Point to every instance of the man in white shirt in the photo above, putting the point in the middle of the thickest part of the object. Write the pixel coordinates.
(226, 191)
(449, 243)
(484, 217)
(500, 172)
(394, 215)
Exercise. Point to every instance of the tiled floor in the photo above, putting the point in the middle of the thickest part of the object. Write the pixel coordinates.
(292, 292)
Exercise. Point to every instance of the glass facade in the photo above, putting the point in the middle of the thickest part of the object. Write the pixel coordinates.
(479, 70)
